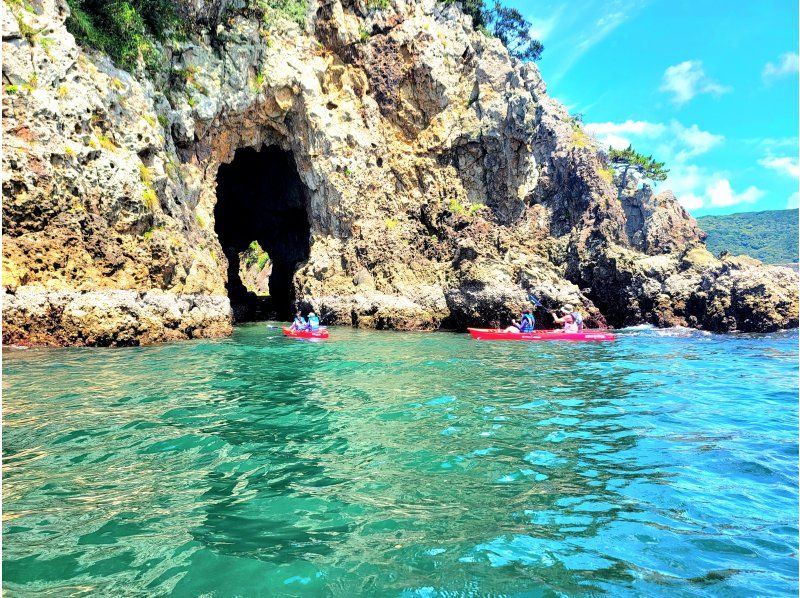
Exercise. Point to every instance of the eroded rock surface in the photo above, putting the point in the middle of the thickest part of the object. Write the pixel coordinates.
(442, 185)
(107, 318)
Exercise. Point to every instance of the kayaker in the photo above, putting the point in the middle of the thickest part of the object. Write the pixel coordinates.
(313, 321)
(527, 323)
(299, 322)
(567, 319)
(576, 315)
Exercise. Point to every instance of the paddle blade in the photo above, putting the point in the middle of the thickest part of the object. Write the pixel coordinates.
(535, 301)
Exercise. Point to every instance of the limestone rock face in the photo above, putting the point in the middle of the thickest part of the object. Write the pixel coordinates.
(111, 317)
(442, 184)
(657, 223)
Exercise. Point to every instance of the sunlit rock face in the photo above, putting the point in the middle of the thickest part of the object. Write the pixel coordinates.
(412, 176)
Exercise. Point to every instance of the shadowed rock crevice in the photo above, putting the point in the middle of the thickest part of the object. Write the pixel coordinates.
(260, 197)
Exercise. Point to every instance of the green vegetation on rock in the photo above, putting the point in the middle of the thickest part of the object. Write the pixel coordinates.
(377, 4)
(252, 262)
(125, 30)
(457, 208)
(627, 160)
(580, 138)
(255, 255)
(769, 236)
(273, 11)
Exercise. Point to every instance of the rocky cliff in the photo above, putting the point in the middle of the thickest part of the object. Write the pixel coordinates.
(401, 170)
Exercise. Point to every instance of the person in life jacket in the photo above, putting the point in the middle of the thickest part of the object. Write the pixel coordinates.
(299, 322)
(569, 319)
(313, 321)
(527, 323)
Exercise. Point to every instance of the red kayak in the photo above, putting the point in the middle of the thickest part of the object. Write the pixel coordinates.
(318, 334)
(498, 334)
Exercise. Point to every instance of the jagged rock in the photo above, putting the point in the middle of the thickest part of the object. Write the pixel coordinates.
(110, 318)
(698, 258)
(658, 223)
(441, 184)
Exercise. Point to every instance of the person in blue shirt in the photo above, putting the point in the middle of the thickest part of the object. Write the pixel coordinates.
(299, 322)
(313, 321)
(527, 323)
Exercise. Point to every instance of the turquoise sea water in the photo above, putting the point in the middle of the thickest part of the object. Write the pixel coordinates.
(403, 464)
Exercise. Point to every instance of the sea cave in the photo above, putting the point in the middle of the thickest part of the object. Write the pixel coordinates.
(261, 207)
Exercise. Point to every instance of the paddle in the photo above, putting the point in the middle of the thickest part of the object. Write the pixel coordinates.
(535, 301)
(323, 316)
(538, 303)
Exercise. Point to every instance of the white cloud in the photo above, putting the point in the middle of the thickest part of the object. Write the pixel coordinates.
(721, 194)
(786, 65)
(619, 135)
(616, 141)
(794, 201)
(677, 144)
(636, 127)
(688, 79)
(695, 188)
(690, 201)
(541, 28)
(674, 142)
(580, 26)
(785, 165)
(602, 27)
(687, 183)
(685, 179)
(773, 145)
(696, 141)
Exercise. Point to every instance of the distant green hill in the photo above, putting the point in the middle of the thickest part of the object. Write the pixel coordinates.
(769, 236)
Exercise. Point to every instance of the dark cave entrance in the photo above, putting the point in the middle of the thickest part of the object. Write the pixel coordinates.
(261, 207)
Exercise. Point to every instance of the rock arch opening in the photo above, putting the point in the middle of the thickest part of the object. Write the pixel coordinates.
(262, 225)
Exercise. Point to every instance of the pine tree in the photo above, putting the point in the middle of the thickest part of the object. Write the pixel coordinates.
(511, 28)
(506, 24)
(627, 160)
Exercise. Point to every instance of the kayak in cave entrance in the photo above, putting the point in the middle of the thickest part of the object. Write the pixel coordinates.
(320, 334)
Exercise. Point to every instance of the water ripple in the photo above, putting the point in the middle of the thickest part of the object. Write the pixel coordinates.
(404, 464)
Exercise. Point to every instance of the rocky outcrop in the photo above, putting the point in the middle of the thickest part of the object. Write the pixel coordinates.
(657, 224)
(441, 184)
(107, 318)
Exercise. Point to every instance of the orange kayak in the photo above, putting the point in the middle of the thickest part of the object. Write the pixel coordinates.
(322, 333)
(498, 334)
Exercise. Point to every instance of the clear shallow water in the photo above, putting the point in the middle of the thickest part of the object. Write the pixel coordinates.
(400, 464)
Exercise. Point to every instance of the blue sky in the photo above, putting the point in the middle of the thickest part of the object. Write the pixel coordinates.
(710, 87)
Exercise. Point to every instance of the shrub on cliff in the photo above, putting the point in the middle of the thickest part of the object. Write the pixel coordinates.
(254, 254)
(272, 11)
(123, 30)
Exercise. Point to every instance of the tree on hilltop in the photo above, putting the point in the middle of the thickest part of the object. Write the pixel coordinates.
(629, 160)
(514, 30)
(506, 24)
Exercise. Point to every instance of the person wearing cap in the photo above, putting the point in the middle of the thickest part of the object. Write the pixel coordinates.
(568, 319)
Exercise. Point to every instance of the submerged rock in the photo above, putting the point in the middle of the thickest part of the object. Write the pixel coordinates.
(441, 186)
